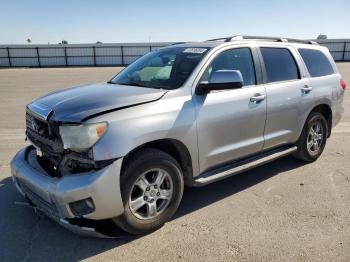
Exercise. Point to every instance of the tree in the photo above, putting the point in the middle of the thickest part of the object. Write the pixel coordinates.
(64, 42)
(322, 37)
(98, 42)
(29, 40)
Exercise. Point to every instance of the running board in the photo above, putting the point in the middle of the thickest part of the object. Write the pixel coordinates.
(241, 166)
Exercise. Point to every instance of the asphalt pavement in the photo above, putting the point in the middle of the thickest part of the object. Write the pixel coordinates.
(282, 211)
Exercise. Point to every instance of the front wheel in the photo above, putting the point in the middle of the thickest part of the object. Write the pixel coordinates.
(152, 187)
(313, 138)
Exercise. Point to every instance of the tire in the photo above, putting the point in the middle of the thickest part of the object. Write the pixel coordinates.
(307, 152)
(141, 180)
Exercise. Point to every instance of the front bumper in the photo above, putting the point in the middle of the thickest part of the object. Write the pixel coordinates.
(53, 195)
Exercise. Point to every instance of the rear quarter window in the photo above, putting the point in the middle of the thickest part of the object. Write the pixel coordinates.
(316, 62)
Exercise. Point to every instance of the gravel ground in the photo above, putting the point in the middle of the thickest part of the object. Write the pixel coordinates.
(284, 210)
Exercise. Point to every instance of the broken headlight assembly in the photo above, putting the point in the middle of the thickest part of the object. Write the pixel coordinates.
(81, 137)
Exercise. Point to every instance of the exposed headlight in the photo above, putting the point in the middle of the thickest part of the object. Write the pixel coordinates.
(81, 137)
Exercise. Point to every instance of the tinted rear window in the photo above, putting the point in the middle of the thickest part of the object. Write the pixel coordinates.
(280, 64)
(316, 62)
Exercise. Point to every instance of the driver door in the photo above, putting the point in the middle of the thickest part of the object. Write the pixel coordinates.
(230, 124)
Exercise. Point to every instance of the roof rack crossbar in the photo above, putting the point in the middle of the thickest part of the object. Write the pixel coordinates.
(268, 38)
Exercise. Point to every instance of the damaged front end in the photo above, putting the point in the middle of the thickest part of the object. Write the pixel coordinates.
(81, 226)
(51, 154)
(69, 187)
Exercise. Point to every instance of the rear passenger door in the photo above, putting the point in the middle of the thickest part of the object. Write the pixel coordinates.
(289, 94)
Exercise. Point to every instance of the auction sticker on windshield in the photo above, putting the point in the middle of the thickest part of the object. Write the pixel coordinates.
(195, 50)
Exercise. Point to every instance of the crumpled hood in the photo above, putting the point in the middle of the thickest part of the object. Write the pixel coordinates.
(77, 103)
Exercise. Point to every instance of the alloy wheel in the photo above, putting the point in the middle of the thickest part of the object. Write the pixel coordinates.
(315, 138)
(151, 193)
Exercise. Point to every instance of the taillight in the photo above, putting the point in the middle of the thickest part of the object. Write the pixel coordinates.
(342, 84)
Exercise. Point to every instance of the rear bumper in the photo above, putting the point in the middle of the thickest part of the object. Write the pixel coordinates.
(54, 195)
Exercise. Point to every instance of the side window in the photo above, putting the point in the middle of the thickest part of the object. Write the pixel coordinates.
(234, 59)
(316, 62)
(280, 64)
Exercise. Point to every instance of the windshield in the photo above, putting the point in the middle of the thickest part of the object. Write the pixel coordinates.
(166, 68)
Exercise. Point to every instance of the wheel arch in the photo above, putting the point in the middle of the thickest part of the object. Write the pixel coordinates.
(326, 111)
(173, 147)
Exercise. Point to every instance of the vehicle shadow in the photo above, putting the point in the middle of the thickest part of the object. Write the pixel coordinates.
(25, 235)
(197, 198)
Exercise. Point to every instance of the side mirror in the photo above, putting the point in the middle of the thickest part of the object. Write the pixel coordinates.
(221, 80)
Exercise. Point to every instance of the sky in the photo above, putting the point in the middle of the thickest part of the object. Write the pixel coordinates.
(114, 21)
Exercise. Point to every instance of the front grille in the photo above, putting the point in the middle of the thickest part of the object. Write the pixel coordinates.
(54, 159)
(45, 143)
(49, 209)
(37, 125)
(40, 133)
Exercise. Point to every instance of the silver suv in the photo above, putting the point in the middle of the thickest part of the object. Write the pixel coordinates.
(187, 114)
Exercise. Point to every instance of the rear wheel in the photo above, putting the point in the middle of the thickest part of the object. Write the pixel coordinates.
(313, 138)
(152, 188)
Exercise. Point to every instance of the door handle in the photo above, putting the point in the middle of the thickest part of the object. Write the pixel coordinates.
(306, 89)
(257, 98)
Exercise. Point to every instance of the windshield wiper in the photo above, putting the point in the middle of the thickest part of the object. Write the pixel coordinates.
(132, 84)
(126, 84)
(137, 84)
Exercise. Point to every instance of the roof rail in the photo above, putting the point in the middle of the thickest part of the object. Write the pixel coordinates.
(267, 38)
(178, 43)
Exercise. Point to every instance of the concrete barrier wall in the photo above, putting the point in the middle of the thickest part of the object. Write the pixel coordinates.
(119, 54)
(74, 55)
(339, 48)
